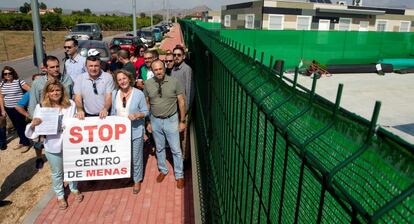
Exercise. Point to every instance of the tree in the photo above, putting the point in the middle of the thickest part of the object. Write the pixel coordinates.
(58, 10)
(25, 8)
(142, 15)
(42, 5)
(157, 17)
(87, 11)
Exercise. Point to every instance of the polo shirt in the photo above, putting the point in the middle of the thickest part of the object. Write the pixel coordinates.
(166, 104)
(93, 103)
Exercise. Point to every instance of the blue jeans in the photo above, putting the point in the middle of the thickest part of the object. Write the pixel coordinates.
(56, 167)
(3, 137)
(137, 159)
(167, 129)
(19, 123)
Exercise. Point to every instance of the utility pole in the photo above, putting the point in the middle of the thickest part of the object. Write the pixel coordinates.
(37, 33)
(134, 16)
(151, 19)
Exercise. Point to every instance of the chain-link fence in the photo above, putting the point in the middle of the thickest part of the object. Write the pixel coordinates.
(272, 151)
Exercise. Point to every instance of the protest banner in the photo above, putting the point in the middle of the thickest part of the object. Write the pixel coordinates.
(97, 149)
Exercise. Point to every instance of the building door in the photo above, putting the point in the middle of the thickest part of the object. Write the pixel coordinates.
(324, 24)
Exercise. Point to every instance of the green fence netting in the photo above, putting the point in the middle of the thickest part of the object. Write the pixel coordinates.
(271, 151)
(327, 47)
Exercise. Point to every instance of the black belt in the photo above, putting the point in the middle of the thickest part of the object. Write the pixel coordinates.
(91, 115)
(164, 117)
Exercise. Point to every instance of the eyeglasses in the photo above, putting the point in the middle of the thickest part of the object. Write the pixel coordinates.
(168, 61)
(95, 90)
(159, 89)
(177, 55)
(124, 101)
(67, 47)
(7, 73)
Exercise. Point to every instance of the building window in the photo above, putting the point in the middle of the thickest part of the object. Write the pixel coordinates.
(324, 24)
(363, 25)
(345, 24)
(249, 21)
(276, 22)
(405, 26)
(381, 25)
(227, 19)
(303, 22)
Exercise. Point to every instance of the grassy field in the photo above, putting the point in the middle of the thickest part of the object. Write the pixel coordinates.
(18, 44)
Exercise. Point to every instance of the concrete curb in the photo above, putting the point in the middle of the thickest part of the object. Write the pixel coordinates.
(196, 184)
(38, 208)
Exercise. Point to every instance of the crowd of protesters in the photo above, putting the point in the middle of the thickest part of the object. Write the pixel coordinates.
(156, 95)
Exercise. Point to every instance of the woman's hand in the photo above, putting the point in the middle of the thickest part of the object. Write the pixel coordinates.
(35, 122)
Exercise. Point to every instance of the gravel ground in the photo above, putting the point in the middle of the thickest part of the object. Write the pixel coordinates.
(20, 182)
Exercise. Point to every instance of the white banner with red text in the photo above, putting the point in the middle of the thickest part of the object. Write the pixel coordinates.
(97, 149)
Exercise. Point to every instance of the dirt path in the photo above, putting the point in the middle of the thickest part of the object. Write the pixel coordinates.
(20, 183)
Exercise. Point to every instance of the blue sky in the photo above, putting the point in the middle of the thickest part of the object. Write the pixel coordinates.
(146, 5)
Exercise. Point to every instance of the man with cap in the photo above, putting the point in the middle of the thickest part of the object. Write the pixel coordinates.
(95, 52)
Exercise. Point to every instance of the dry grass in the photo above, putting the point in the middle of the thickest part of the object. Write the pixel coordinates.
(18, 44)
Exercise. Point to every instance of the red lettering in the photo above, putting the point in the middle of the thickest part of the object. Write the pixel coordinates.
(119, 129)
(90, 130)
(99, 172)
(90, 173)
(101, 132)
(76, 132)
(123, 170)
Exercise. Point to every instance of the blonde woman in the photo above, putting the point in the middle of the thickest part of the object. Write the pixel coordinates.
(54, 96)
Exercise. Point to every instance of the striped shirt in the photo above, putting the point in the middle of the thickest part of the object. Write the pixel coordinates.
(12, 92)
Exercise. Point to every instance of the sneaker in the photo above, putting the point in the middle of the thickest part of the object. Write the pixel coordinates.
(39, 163)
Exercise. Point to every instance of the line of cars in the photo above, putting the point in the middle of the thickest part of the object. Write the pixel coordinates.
(89, 35)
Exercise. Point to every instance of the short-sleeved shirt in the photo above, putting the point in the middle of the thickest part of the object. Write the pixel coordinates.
(93, 103)
(163, 105)
(131, 69)
(12, 92)
(24, 101)
(76, 66)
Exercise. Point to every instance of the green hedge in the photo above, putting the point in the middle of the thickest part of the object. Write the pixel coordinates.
(61, 22)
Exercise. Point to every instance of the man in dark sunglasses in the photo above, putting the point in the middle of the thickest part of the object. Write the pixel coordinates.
(184, 74)
(169, 63)
(74, 63)
(93, 90)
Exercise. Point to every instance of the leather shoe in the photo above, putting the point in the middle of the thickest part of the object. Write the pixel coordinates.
(180, 183)
(161, 177)
(137, 188)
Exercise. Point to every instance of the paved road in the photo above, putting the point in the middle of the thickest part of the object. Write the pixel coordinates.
(25, 68)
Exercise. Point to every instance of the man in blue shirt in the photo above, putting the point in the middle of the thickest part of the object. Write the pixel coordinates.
(74, 62)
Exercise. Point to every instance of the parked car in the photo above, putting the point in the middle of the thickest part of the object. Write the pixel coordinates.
(147, 37)
(162, 29)
(157, 34)
(101, 46)
(128, 43)
(85, 31)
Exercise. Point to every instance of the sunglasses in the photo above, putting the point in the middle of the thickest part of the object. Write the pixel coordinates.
(67, 47)
(168, 61)
(124, 101)
(95, 90)
(159, 89)
(7, 73)
(148, 58)
(177, 55)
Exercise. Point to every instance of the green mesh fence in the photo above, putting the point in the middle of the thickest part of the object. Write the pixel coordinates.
(327, 47)
(271, 151)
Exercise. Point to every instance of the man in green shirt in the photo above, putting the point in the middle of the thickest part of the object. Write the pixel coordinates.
(123, 57)
(162, 94)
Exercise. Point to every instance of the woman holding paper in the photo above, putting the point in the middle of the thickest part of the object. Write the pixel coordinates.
(55, 97)
(130, 102)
